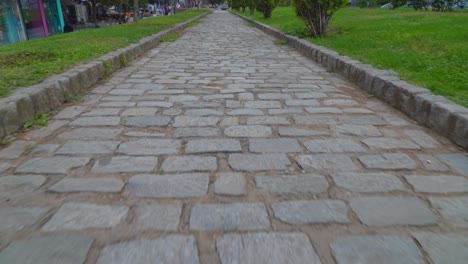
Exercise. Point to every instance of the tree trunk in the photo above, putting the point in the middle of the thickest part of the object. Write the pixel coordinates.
(251, 8)
(243, 9)
(94, 8)
(135, 11)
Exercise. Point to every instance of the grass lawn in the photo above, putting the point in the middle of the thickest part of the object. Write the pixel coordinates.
(428, 49)
(30, 62)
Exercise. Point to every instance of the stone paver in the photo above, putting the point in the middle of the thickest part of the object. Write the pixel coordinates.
(387, 249)
(229, 217)
(78, 216)
(55, 249)
(266, 248)
(384, 211)
(175, 249)
(196, 145)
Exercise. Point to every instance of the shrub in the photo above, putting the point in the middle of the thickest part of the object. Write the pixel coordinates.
(265, 6)
(317, 14)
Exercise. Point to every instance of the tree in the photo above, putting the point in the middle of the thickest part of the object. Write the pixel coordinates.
(265, 6)
(317, 14)
(95, 3)
(215, 2)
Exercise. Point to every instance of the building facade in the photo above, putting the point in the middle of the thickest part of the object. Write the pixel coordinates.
(21, 20)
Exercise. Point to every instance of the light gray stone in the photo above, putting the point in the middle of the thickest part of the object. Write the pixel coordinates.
(431, 163)
(453, 209)
(168, 186)
(12, 186)
(230, 184)
(164, 217)
(358, 130)
(45, 148)
(386, 211)
(458, 161)
(292, 184)
(177, 249)
(245, 111)
(196, 132)
(15, 149)
(140, 111)
(124, 164)
(143, 134)
(195, 121)
(289, 111)
(340, 102)
(4, 166)
(190, 163)
(388, 161)
(91, 133)
(259, 162)
(314, 120)
(52, 165)
(362, 120)
(298, 132)
(13, 219)
(311, 102)
(248, 131)
(213, 145)
(117, 104)
(368, 182)
(333, 145)
(88, 185)
(267, 120)
(422, 138)
(262, 104)
(326, 162)
(96, 121)
(79, 216)
(278, 248)
(58, 249)
(371, 249)
(229, 217)
(103, 112)
(323, 110)
(275, 145)
(203, 112)
(47, 130)
(70, 112)
(389, 143)
(154, 104)
(150, 147)
(88, 147)
(444, 248)
(311, 212)
(147, 121)
(273, 96)
(438, 183)
(394, 120)
(310, 95)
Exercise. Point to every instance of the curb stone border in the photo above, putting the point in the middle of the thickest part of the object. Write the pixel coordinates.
(25, 103)
(433, 111)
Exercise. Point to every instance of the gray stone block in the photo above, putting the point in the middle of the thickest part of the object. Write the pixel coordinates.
(311, 212)
(267, 120)
(164, 217)
(150, 147)
(88, 147)
(14, 150)
(422, 138)
(458, 161)
(368, 182)
(259, 162)
(333, 145)
(102, 185)
(266, 248)
(190, 163)
(297, 132)
(386, 211)
(230, 184)
(431, 163)
(13, 219)
(124, 164)
(96, 121)
(275, 145)
(213, 145)
(453, 209)
(438, 183)
(248, 131)
(196, 132)
(389, 143)
(168, 186)
(229, 217)
(388, 161)
(147, 121)
(444, 248)
(371, 249)
(327, 162)
(315, 120)
(362, 120)
(292, 184)
(358, 130)
(91, 133)
(195, 121)
(52, 165)
(12, 186)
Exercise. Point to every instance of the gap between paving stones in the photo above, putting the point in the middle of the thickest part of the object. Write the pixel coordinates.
(433, 111)
(25, 103)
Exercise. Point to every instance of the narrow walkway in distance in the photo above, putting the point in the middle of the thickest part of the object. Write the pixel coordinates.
(227, 147)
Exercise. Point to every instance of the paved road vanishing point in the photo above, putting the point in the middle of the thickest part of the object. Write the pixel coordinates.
(227, 147)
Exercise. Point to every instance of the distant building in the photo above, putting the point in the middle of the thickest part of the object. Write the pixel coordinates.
(21, 20)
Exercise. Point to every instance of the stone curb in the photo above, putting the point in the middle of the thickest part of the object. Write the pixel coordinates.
(25, 103)
(433, 111)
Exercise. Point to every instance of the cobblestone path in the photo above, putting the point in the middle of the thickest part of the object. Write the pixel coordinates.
(226, 147)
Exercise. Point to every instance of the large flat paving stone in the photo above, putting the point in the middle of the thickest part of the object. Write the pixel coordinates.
(311, 212)
(195, 121)
(458, 161)
(267, 120)
(248, 131)
(229, 217)
(150, 147)
(422, 138)
(389, 143)
(158, 216)
(371, 249)
(12, 186)
(168, 186)
(358, 130)
(125, 164)
(388, 161)
(176, 249)
(292, 184)
(213, 145)
(57, 249)
(52, 165)
(278, 248)
(386, 211)
(13, 219)
(333, 145)
(298, 132)
(326, 162)
(96, 121)
(102, 185)
(368, 182)
(274, 145)
(444, 248)
(259, 162)
(438, 183)
(182, 132)
(15, 149)
(189, 163)
(146, 121)
(229, 183)
(91, 133)
(362, 120)
(79, 216)
(453, 209)
(88, 147)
